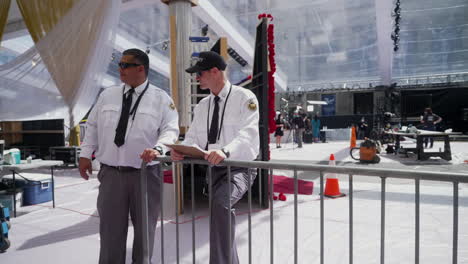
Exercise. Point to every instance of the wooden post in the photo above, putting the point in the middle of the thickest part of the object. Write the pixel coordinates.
(173, 40)
(179, 29)
(223, 48)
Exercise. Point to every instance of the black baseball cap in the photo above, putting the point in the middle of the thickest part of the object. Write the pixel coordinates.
(206, 61)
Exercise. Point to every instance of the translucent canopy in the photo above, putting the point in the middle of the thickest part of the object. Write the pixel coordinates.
(317, 42)
(433, 38)
(320, 42)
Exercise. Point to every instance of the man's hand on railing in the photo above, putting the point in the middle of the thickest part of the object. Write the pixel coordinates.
(149, 155)
(176, 156)
(215, 156)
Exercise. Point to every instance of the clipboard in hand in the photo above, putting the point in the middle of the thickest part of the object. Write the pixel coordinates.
(189, 151)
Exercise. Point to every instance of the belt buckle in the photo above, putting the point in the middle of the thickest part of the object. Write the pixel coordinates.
(206, 190)
(121, 168)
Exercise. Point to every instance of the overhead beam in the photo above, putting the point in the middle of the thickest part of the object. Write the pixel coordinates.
(224, 28)
(14, 29)
(129, 5)
(157, 61)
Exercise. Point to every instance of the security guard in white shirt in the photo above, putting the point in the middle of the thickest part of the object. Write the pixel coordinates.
(128, 124)
(226, 124)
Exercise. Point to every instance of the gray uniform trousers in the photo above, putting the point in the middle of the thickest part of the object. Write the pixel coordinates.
(220, 212)
(119, 195)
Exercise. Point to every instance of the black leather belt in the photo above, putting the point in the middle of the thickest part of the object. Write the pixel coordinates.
(121, 168)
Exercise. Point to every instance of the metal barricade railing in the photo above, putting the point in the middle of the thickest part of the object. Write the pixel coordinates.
(455, 178)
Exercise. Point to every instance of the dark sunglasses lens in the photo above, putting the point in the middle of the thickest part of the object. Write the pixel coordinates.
(199, 74)
(125, 65)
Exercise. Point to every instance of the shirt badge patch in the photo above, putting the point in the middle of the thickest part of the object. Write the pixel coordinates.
(252, 106)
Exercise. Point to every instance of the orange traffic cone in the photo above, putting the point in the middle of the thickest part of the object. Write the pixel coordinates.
(331, 161)
(332, 186)
(353, 137)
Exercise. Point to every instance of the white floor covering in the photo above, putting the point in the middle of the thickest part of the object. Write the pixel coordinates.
(69, 233)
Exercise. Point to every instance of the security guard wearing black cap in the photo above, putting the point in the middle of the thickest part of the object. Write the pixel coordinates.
(225, 123)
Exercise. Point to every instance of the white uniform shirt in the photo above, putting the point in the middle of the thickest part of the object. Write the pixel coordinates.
(155, 123)
(239, 130)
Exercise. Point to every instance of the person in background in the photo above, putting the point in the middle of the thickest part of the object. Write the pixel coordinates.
(362, 129)
(429, 121)
(316, 128)
(298, 125)
(225, 124)
(307, 124)
(129, 123)
(279, 132)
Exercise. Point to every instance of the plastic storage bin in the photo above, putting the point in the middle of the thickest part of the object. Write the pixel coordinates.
(37, 188)
(6, 199)
(17, 155)
(12, 156)
(37, 192)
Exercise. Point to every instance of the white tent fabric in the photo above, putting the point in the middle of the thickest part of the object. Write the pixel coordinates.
(78, 50)
(28, 91)
(76, 53)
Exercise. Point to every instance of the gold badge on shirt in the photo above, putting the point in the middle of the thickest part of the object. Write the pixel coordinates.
(172, 106)
(252, 106)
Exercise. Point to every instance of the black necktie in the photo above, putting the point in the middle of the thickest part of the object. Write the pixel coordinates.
(121, 129)
(212, 136)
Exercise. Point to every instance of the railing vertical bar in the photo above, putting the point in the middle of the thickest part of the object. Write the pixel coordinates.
(177, 194)
(271, 215)
(417, 227)
(322, 225)
(295, 216)
(260, 184)
(53, 185)
(14, 192)
(249, 216)
(144, 214)
(192, 180)
(182, 191)
(229, 214)
(161, 197)
(350, 219)
(382, 222)
(210, 191)
(455, 223)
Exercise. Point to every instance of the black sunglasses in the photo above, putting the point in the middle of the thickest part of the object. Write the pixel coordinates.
(125, 65)
(199, 73)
